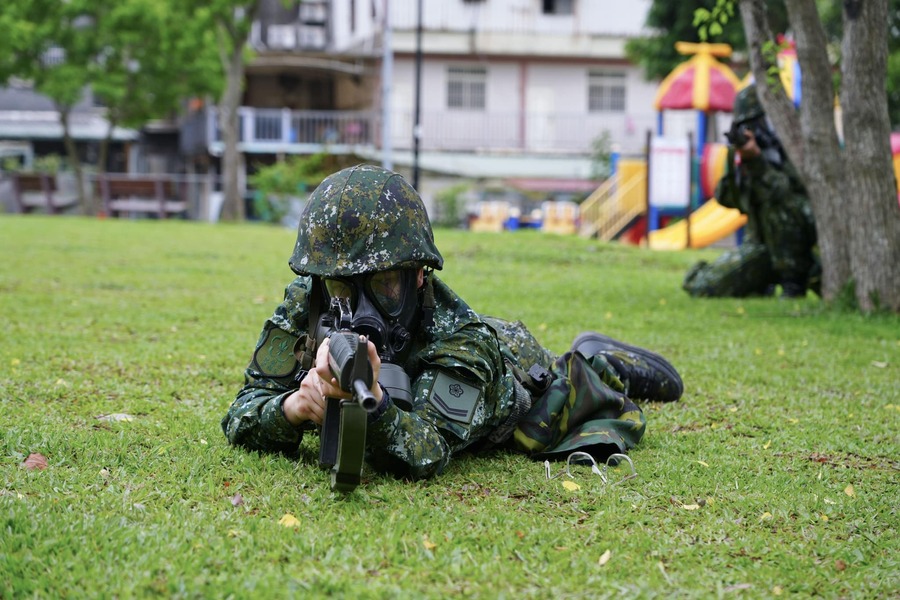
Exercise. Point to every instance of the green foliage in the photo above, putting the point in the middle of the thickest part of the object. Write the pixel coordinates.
(601, 156)
(49, 163)
(448, 205)
(293, 177)
(711, 22)
(672, 22)
(775, 474)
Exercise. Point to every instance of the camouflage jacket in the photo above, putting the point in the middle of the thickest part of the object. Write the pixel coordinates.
(772, 197)
(779, 214)
(414, 442)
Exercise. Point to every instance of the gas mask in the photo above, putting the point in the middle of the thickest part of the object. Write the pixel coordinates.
(384, 305)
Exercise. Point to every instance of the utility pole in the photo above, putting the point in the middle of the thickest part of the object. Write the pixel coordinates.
(417, 128)
(387, 78)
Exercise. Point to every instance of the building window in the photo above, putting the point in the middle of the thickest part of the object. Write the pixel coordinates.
(558, 7)
(606, 92)
(465, 87)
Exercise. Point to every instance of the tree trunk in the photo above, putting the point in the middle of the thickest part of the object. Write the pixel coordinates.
(85, 202)
(233, 62)
(823, 167)
(810, 138)
(871, 211)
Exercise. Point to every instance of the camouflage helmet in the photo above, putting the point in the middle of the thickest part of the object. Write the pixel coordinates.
(746, 105)
(360, 220)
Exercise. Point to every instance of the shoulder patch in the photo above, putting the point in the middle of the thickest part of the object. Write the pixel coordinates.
(454, 398)
(274, 356)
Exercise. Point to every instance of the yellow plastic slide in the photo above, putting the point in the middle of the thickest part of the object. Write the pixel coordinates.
(709, 223)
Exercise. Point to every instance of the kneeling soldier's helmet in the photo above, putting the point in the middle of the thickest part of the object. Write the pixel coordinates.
(361, 220)
(746, 105)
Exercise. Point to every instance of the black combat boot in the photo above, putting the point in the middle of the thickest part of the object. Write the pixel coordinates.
(646, 375)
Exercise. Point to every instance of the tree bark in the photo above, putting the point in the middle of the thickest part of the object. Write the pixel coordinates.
(872, 210)
(85, 202)
(233, 207)
(233, 63)
(822, 165)
(810, 138)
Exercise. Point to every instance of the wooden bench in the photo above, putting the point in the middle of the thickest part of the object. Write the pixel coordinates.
(33, 191)
(149, 194)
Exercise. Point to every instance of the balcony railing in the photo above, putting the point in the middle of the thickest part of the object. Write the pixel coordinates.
(286, 131)
(263, 130)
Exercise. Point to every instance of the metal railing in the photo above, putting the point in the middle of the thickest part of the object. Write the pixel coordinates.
(305, 131)
(611, 208)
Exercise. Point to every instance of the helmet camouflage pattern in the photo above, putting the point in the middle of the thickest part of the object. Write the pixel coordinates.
(360, 220)
(746, 105)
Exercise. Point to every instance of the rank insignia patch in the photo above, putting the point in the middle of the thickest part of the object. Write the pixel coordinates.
(453, 398)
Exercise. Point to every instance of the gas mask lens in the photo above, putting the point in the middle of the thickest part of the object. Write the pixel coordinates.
(385, 288)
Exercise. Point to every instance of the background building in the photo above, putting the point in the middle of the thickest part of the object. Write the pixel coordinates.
(510, 91)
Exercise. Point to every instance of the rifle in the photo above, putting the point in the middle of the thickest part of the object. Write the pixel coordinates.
(343, 435)
(768, 143)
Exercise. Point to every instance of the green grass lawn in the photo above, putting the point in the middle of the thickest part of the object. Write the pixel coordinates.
(776, 474)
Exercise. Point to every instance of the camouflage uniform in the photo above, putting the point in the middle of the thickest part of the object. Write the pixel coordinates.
(780, 234)
(585, 407)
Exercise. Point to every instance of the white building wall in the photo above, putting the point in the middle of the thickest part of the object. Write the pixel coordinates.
(537, 73)
(592, 17)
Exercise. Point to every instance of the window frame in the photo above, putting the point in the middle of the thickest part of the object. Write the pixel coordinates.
(466, 87)
(607, 91)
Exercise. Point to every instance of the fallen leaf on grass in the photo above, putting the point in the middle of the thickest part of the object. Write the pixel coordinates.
(34, 461)
(691, 506)
(428, 544)
(840, 565)
(777, 590)
(824, 517)
(571, 486)
(850, 491)
(702, 463)
(238, 500)
(879, 364)
(604, 558)
(288, 520)
(115, 417)
(767, 444)
(765, 516)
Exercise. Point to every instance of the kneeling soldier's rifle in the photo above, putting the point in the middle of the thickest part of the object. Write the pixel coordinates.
(343, 437)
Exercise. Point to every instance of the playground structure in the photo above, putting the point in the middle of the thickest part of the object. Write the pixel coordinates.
(634, 198)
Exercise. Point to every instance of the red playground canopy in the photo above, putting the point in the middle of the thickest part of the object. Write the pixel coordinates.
(700, 83)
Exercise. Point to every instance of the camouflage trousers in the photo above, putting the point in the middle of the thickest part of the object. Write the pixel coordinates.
(745, 271)
(584, 408)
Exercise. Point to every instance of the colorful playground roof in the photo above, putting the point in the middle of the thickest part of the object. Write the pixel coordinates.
(699, 83)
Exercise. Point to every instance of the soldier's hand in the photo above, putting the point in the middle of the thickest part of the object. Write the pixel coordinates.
(307, 403)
